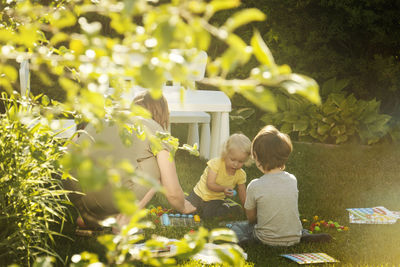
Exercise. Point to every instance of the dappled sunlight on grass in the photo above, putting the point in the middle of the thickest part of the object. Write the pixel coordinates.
(330, 179)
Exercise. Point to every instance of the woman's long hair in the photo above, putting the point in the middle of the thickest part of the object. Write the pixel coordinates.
(157, 107)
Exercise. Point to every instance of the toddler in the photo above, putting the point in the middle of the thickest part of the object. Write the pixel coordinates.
(220, 178)
(271, 204)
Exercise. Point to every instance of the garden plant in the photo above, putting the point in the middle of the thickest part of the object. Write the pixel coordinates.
(82, 46)
(76, 49)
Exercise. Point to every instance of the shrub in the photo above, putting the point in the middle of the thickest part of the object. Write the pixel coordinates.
(357, 40)
(32, 203)
(339, 119)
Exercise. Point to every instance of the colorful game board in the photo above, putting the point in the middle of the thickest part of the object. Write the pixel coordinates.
(307, 258)
(376, 215)
(396, 213)
(180, 220)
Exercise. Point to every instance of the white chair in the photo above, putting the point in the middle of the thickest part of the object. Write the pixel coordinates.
(196, 69)
(63, 128)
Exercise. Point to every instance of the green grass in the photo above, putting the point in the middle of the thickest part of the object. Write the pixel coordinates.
(330, 179)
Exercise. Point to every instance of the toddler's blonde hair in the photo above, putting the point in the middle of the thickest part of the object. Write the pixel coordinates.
(237, 141)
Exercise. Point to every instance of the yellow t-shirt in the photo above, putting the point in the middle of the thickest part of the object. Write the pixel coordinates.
(223, 178)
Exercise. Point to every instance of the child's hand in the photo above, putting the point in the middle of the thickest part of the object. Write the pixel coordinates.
(229, 192)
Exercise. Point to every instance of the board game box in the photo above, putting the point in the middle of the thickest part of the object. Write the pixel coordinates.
(376, 215)
(181, 220)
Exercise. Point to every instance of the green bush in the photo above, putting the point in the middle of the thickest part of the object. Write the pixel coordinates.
(32, 202)
(356, 40)
(340, 118)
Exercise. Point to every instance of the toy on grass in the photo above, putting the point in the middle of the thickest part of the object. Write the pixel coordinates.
(167, 217)
(322, 225)
(180, 220)
(233, 191)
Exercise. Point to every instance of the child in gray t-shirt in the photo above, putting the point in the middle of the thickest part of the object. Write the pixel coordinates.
(272, 200)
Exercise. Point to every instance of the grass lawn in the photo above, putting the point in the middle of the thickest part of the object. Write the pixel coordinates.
(330, 179)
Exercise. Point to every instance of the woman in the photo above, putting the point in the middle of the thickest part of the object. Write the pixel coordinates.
(95, 206)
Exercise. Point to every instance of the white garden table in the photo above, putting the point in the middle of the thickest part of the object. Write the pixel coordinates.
(215, 102)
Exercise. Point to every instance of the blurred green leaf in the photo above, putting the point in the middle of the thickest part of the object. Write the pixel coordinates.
(218, 5)
(261, 51)
(244, 17)
(262, 98)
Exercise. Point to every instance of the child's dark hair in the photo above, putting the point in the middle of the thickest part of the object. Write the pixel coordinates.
(271, 148)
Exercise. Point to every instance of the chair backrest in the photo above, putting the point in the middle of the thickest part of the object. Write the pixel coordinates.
(197, 67)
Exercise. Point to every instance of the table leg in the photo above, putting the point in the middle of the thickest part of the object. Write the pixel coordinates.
(224, 132)
(215, 134)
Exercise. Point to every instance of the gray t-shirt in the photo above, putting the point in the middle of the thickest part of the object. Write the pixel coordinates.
(275, 197)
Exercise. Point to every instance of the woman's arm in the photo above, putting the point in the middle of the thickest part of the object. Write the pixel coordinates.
(241, 188)
(169, 180)
(149, 195)
(251, 215)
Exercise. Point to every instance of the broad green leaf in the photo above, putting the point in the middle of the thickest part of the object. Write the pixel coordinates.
(121, 24)
(322, 129)
(217, 5)
(202, 37)
(45, 100)
(261, 51)
(281, 101)
(151, 78)
(196, 6)
(77, 46)
(68, 85)
(244, 17)
(328, 109)
(165, 34)
(341, 139)
(59, 37)
(28, 35)
(62, 19)
(262, 98)
(229, 60)
(243, 54)
(300, 126)
(7, 35)
(125, 200)
(193, 150)
(222, 234)
(9, 71)
(287, 128)
(336, 98)
(290, 117)
(302, 85)
(245, 112)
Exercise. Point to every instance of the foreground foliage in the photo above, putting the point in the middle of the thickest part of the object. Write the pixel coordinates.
(84, 46)
(33, 206)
